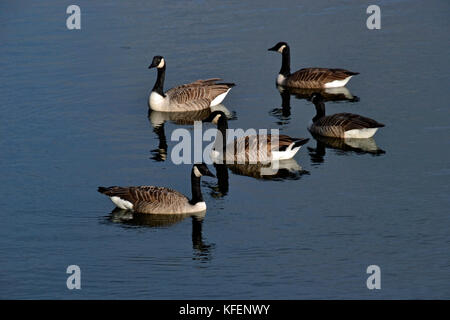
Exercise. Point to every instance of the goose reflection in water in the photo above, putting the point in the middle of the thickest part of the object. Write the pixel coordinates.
(283, 114)
(158, 120)
(130, 219)
(288, 169)
(342, 147)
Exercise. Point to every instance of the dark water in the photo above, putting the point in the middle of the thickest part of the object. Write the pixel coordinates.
(73, 110)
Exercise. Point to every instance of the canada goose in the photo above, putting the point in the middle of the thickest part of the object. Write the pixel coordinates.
(341, 125)
(158, 119)
(286, 147)
(309, 77)
(197, 95)
(160, 200)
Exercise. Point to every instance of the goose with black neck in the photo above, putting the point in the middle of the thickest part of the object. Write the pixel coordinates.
(308, 77)
(340, 125)
(194, 96)
(160, 200)
(250, 148)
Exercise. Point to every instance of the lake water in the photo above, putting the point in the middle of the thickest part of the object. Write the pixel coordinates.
(74, 116)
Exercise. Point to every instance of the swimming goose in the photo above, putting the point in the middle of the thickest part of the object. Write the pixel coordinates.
(160, 200)
(341, 125)
(197, 95)
(158, 119)
(286, 147)
(309, 77)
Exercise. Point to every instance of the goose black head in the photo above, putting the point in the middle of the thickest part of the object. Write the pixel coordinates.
(316, 97)
(215, 116)
(279, 47)
(201, 169)
(158, 62)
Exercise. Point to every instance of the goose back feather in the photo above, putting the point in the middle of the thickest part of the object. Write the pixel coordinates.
(337, 125)
(310, 78)
(247, 149)
(148, 199)
(253, 153)
(160, 200)
(197, 95)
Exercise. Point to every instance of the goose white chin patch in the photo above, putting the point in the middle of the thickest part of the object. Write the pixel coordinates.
(216, 119)
(122, 204)
(197, 172)
(281, 48)
(161, 63)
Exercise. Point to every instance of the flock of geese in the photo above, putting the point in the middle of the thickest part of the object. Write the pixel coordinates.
(201, 100)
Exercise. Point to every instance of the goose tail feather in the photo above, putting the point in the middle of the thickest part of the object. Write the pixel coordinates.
(299, 142)
(228, 84)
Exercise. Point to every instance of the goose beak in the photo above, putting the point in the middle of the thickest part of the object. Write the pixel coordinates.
(272, 49)
(153, 65)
